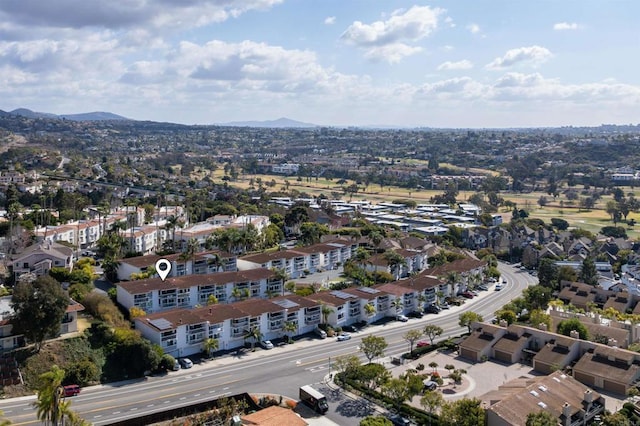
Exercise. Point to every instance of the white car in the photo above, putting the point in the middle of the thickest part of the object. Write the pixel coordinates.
(343, 336)
(499, 286)
(186, 363)
(266, 344)
(402, 318)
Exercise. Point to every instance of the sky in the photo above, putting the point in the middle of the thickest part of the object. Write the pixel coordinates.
(446, 64)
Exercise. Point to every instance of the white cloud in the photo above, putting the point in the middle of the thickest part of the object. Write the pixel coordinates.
(380, 38)
(561, 26)
(473, 28)
(330, 20)
(130, 14)
(534, 55)
(449, 21)
(391, 53)
(459, 65)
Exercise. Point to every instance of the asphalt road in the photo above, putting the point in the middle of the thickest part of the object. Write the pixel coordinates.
(281, 370)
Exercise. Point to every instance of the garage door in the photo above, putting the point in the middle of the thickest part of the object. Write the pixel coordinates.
(614, 387)
(503, 356)
(587, 379)
(469, 354)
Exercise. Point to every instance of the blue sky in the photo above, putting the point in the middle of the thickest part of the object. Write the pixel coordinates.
(479, 63)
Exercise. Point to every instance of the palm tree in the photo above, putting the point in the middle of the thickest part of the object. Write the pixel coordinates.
(326, 311)
(210, 345)
(50, 405)
(279, 274)
(397, 303)
(452, 278)
(255, 335)
(214, 260)
(369, 310)
(170, 225)
(289, 327)
(395, 261)
(189, 252)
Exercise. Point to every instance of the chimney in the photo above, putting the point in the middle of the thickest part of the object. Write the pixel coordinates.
(588, 396)
(612, 342)
(574, 334)
(566, 413)
(503, 323)
(542, 326)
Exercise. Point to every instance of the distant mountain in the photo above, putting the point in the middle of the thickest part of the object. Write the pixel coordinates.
(24, 112)
(279, 123)
(93, 116)
(88, 116)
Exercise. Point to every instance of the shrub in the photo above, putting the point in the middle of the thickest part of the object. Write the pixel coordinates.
(291, 404)
(420, 367)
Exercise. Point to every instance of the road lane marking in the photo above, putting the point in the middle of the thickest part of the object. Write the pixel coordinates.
(150, 405)
(166, 402)
(183, 398)
(116, 412)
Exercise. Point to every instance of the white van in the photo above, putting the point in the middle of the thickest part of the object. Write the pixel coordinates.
(321, 333)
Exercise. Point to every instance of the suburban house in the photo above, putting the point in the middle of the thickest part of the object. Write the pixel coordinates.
(569, 401)
(598, 365)
(608, 368)
(10, 341)
(188, 291)
(582, 295)
(181, 332)
(38, 259)
(207, 262)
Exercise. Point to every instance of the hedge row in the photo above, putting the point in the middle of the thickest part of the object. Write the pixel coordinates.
(420, 416)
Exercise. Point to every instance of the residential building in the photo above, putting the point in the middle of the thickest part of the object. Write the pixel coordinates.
(40, 258)
(10, 341)
(189, 291)
(207, 262)
(566, 399)
(181, 332)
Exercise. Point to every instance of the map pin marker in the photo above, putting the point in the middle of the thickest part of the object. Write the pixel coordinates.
(163, 267)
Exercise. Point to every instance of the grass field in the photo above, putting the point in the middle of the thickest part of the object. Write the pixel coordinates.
(592, 220)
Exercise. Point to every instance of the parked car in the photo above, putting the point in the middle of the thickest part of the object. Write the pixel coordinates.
(402, 318)
(483, 287)
(343, 336)
(467, 295)
(415, 314)
(454, 301)
(444, 305)
(320, 333)
(499, 287)
(176, 365)
(398, 420)
(433, 309)
(266, 344)
(186, 363)
(422, 344)
(350, 328)
(429, 385)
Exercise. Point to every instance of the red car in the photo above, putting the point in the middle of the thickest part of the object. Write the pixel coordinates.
(467, 295)
(71, 390)
(422, 344)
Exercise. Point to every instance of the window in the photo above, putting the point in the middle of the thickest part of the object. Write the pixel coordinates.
(215, 331)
